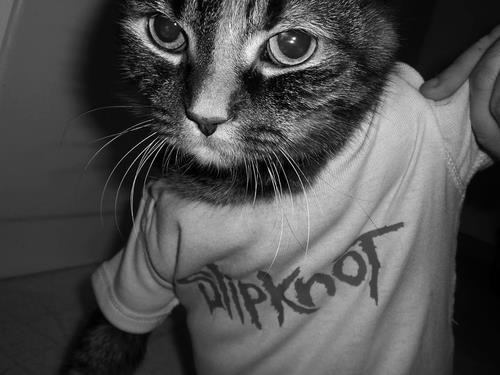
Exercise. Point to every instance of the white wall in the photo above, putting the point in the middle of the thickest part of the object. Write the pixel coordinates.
(49, 211)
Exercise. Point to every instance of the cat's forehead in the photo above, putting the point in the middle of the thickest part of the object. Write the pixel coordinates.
(257, 12)
(263, 14)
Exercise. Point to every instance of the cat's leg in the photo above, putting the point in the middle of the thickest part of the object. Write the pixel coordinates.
(103, 349)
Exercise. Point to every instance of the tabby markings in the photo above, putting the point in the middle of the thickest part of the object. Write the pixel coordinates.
(242, 298)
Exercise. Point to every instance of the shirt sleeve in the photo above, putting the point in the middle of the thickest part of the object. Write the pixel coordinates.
(453, 117)
(135, 288)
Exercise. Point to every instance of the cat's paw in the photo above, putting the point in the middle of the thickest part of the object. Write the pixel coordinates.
(102, 349)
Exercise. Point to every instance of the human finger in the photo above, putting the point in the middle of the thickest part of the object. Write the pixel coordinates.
(451, 79)
(485, 100)
(495, 100)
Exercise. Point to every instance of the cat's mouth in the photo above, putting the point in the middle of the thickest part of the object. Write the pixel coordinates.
(219, 149)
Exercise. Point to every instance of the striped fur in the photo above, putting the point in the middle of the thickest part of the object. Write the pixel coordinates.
(307, 112)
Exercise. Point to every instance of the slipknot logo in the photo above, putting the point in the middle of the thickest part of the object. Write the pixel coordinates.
(240, 298)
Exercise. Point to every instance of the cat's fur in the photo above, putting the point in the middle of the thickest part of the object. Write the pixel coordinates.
(283, 124)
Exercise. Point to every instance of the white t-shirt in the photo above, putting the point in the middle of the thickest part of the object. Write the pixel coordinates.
(355, 276)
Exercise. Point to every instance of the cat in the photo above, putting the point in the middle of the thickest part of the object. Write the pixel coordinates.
(228, 73)
(250, 100)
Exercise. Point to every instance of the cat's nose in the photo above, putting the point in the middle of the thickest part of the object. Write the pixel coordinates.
(207, 125)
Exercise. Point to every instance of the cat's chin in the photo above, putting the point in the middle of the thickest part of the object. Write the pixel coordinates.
(212, 152)
(211, 157)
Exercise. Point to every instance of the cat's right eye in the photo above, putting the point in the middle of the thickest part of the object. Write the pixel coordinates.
(166, 33)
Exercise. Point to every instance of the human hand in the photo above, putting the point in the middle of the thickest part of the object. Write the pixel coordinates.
(481, 65)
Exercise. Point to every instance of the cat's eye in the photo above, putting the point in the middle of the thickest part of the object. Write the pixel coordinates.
(291, 47)
(167, 33)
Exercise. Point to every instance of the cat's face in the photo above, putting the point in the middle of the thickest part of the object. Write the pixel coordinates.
(230, 81)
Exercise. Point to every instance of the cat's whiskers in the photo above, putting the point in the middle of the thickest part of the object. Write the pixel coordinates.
(278, 201)
(234, 178)
(108, 180)
(141, 156)
(294, 166)
(280, 164)
(185, 168)
(154, 149)
(247, 175)
(94, 110)
(318, 201)
(291, 195)
(135, 127)
(256, 180)
(177, 151)
(97, 109)
(163, 144)
(169, 150)
(139, 126)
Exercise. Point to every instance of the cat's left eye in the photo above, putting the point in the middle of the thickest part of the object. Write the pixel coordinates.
(291, 47)
(167, 33)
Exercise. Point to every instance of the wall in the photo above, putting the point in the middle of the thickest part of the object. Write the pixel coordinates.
(6, 7)
(49, 206)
